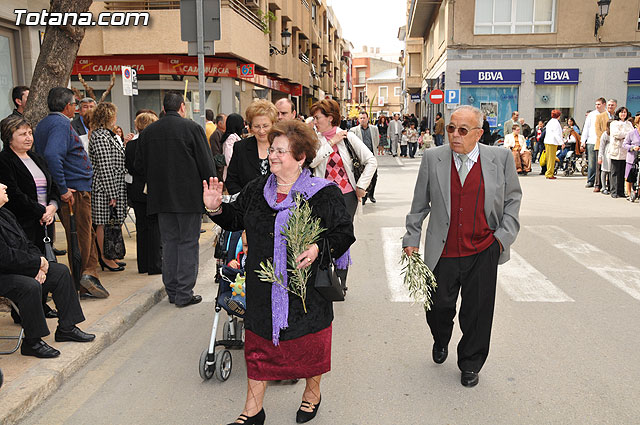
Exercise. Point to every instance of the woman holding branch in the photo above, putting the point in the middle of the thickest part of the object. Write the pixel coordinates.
(282, 341)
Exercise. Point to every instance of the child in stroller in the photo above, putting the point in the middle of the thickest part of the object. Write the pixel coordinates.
(232, 297)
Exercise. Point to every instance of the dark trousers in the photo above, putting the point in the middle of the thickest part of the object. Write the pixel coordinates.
(372, 185)
(180, 253)
(351, 201)
(147, 240)
(27, 293)
(617, 176)
(413, 147)
(439, 139)
(476, 276)
(592, 159)
(597, 181)
(403, 150)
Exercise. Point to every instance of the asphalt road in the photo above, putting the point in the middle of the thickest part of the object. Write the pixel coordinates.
(564, 344)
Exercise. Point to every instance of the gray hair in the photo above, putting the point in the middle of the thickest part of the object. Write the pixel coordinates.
(88, 100)
(613, 100)
(477, 112)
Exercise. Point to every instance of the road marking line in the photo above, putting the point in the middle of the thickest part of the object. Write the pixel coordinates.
(398, 160)
(524, 283)
(607, 266)
(391, 250)
(625, 231)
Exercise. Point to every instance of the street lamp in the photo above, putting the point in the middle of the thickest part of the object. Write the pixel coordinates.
(323, 68)
(603, 11)
(286, 42)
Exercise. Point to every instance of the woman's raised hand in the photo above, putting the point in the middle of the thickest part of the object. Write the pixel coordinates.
(212, 193)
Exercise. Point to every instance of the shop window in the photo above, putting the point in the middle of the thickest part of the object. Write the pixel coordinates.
(633, 99)
(549, 97)
(148, 99)
(7, 72)
(515, 16)
(496, 102)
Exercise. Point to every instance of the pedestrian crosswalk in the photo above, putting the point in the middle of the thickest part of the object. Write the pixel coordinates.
(521, 281)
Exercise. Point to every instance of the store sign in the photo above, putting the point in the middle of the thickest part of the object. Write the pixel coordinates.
(415, 97)
(557, 76)
(490, 77)
(634, 76)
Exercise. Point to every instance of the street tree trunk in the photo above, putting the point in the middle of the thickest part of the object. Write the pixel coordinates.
(55, 62)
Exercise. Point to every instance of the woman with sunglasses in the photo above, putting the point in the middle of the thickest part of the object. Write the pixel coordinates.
(250, 157)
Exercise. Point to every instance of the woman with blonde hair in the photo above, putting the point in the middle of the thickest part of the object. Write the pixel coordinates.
(149, 258)
(108, 189)
(250, 156)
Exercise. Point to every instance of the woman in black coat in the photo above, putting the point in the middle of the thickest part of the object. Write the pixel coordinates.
(282, 340)
(148, 251)
(249, 158)
(33, 196)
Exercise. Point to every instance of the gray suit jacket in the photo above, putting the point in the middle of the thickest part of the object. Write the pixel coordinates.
(432, 194)
(373, 130)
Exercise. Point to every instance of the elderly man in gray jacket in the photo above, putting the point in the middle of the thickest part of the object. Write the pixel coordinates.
(473, 194)
(371, 138)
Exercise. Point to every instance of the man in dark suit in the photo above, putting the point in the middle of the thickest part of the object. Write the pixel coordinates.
(175, 157)
(79, 124)
(24, 275)
(473, 195)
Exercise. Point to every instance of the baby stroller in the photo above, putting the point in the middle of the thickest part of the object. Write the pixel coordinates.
(220, 363)
(634, 175)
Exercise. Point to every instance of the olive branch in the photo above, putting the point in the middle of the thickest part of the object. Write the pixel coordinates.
(418, 278)
(300, 231)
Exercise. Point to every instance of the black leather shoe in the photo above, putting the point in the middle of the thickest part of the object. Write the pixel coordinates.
(372, 199)
(49, 313)
(40, 349)
(438, 354)
(59, 252)
(469, 379)
(303, 416)
(75, 335)
(364, 200)
(257, 419)
(93, 286)
(195, 299)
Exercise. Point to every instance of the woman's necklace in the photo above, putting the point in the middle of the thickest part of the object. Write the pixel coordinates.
(288, 184)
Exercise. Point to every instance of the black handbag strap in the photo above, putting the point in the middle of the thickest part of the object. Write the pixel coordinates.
(352, 152)
(46, 238)
(325, 252)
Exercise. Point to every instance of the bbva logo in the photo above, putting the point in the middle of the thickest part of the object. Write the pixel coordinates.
(556, 75)
(490, 76)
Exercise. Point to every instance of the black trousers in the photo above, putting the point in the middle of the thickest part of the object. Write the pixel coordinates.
(27, 293)
(148, 240)
(372, 185)
(413, 147)
(475, 277)
(617, 176)
(598, 182)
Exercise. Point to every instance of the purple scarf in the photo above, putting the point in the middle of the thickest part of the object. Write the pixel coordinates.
(307, 186)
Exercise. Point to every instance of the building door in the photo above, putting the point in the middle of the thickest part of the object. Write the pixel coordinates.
(8, 71)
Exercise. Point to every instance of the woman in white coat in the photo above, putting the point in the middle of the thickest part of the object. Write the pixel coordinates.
(333, 161)
(620, 128)
(552, 140)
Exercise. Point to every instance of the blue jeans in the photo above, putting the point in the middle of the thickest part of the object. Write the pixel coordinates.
(413, 146)
(592, 158)
(439, 139)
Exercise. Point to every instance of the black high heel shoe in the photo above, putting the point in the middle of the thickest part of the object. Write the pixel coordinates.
(121, 263)
(303, 416)
(257, 419)
(111, 269)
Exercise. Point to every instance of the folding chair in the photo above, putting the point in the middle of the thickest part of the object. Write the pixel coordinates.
(18, 338)
(125, 222)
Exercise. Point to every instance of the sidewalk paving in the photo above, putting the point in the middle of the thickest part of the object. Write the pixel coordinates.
(29, 380)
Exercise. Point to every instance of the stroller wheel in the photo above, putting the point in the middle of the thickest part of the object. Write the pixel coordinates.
(223, 366)
(206, 371)
(585, 170)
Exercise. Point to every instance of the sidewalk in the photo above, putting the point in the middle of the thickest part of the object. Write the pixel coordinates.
(29, 380)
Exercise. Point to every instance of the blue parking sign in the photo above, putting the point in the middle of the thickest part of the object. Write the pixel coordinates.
(452, 97)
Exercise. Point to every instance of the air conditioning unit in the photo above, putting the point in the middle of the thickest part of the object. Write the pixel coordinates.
(252, 4)
(381, 101)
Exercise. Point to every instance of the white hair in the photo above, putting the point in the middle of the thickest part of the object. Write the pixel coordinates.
(477, 112)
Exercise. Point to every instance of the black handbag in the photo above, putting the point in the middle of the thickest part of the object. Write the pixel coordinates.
(358, 166)
(48, 247)
(113, 241)
(327, 281)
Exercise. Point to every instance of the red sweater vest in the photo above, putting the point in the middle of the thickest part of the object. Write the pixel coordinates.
(469, 232)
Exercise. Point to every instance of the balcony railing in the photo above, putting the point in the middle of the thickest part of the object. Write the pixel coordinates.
(142, 5)
(242, 10)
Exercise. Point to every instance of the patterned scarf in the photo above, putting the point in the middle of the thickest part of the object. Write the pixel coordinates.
(307, 186)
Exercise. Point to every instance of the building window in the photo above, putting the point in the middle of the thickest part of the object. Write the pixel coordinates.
(638, 21)
(397, 91)
(515, 16)
(314, 12)
(383, 92)
(362, 76)
(362, 96)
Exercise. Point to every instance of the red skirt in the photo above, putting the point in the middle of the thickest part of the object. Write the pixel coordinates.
(303, 357)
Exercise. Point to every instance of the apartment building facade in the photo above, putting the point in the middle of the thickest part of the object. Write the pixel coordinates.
(527, 55)
(376, 82)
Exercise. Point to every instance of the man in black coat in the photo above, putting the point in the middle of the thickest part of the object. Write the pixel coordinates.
(78, 123)
(174, 155)
(24, 275)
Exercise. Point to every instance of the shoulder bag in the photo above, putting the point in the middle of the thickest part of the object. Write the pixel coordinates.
(327, 281)
(114, 248)
(358, 166)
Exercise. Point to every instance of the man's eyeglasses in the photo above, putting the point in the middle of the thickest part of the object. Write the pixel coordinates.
(463, 131)
(277, 151)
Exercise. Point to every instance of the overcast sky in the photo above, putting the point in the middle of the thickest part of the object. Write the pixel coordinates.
(372, 23)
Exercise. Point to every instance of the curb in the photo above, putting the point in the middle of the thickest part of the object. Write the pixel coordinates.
(38, 383)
